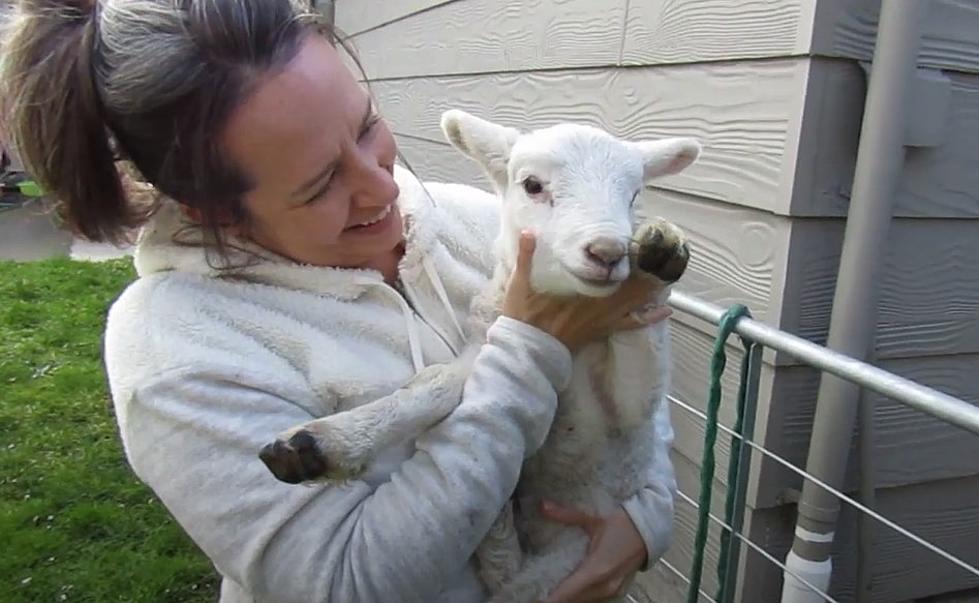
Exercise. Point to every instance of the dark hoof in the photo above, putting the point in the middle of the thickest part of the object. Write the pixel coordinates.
(296, 460)
(666, 260)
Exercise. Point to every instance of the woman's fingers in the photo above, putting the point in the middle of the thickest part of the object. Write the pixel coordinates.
(571, 517)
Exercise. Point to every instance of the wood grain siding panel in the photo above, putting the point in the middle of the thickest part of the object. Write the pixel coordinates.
(945, 513)
(439, 162)
(687, 31)
(911, 446)
(741, 112)
(936, 182)
(848, 28)
(927, 300)
(355, 16)
(943, 181)
(735, 251)
(823, 157)
(483, 36)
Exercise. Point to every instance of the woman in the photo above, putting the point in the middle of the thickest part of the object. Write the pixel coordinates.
(292, 274)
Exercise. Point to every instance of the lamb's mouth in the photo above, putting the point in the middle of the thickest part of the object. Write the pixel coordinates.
(598, 283)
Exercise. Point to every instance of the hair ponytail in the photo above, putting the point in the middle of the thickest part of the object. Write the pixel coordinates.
(155, 81)
(53, 113)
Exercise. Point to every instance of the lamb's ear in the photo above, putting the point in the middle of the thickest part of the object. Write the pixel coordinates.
(667, 156)
(487, 143)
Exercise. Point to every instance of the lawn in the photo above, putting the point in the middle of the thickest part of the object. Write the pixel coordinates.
(75, 523)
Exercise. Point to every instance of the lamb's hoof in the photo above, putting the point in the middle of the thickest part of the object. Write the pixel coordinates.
(295, 460)
(663, 250)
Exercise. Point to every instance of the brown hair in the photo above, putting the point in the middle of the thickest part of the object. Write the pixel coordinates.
(153, 82)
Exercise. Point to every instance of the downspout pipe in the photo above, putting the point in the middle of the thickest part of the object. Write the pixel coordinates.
(880, 159)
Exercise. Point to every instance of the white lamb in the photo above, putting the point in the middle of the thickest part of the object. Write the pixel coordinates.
(575, 186)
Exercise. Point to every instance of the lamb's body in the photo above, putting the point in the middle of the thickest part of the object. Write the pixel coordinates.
(597, 454)
(601, 444)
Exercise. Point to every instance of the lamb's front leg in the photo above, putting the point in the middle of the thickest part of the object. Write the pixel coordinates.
(637, 369)
(341, 446)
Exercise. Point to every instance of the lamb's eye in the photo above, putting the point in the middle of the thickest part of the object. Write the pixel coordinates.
(532, 186)
(634, 197)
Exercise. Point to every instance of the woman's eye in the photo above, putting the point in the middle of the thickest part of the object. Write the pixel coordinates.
(373, 121)
(533, 186)
(321, 194)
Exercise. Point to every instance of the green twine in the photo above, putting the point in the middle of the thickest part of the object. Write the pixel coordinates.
(717, 364)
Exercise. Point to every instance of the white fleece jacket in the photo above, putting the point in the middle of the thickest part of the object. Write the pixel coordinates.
(206, 366)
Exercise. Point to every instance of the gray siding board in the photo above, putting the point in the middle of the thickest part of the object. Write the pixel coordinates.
(427, 37)
(943, 181)
(946, 513)
(653, 33)
(736, 252)
(356, 16)
(438, 162)
(784, 141)
(760, 151)
(936, 182)
(740, 111)
(668, 31)
(848, 29)
(927, 299)
(480, 36)
(827, 129)
(911, 447)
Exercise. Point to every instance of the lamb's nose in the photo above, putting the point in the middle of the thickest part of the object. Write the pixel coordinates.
(606, 252)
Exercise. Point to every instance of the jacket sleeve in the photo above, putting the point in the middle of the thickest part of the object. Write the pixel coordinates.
(193, 435)
(651, 509)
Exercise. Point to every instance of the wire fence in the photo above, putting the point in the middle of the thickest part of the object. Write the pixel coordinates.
(755, 336)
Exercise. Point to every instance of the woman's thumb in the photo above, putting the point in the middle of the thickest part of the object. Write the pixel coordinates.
(525, 255)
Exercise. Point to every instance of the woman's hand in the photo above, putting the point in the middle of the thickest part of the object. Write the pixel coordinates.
(615, 553)
(577, 321)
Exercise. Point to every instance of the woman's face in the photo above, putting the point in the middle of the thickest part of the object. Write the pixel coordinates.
(320, 161)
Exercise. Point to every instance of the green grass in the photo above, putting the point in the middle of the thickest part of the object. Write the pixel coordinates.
(75, 523)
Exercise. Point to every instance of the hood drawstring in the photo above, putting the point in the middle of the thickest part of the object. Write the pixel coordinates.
(433, 277)
(414, 339)
(443, 296)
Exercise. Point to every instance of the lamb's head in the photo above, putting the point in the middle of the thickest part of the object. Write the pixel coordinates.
(575, 187)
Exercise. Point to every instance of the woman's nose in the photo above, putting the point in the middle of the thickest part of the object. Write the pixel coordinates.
(375, 185)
